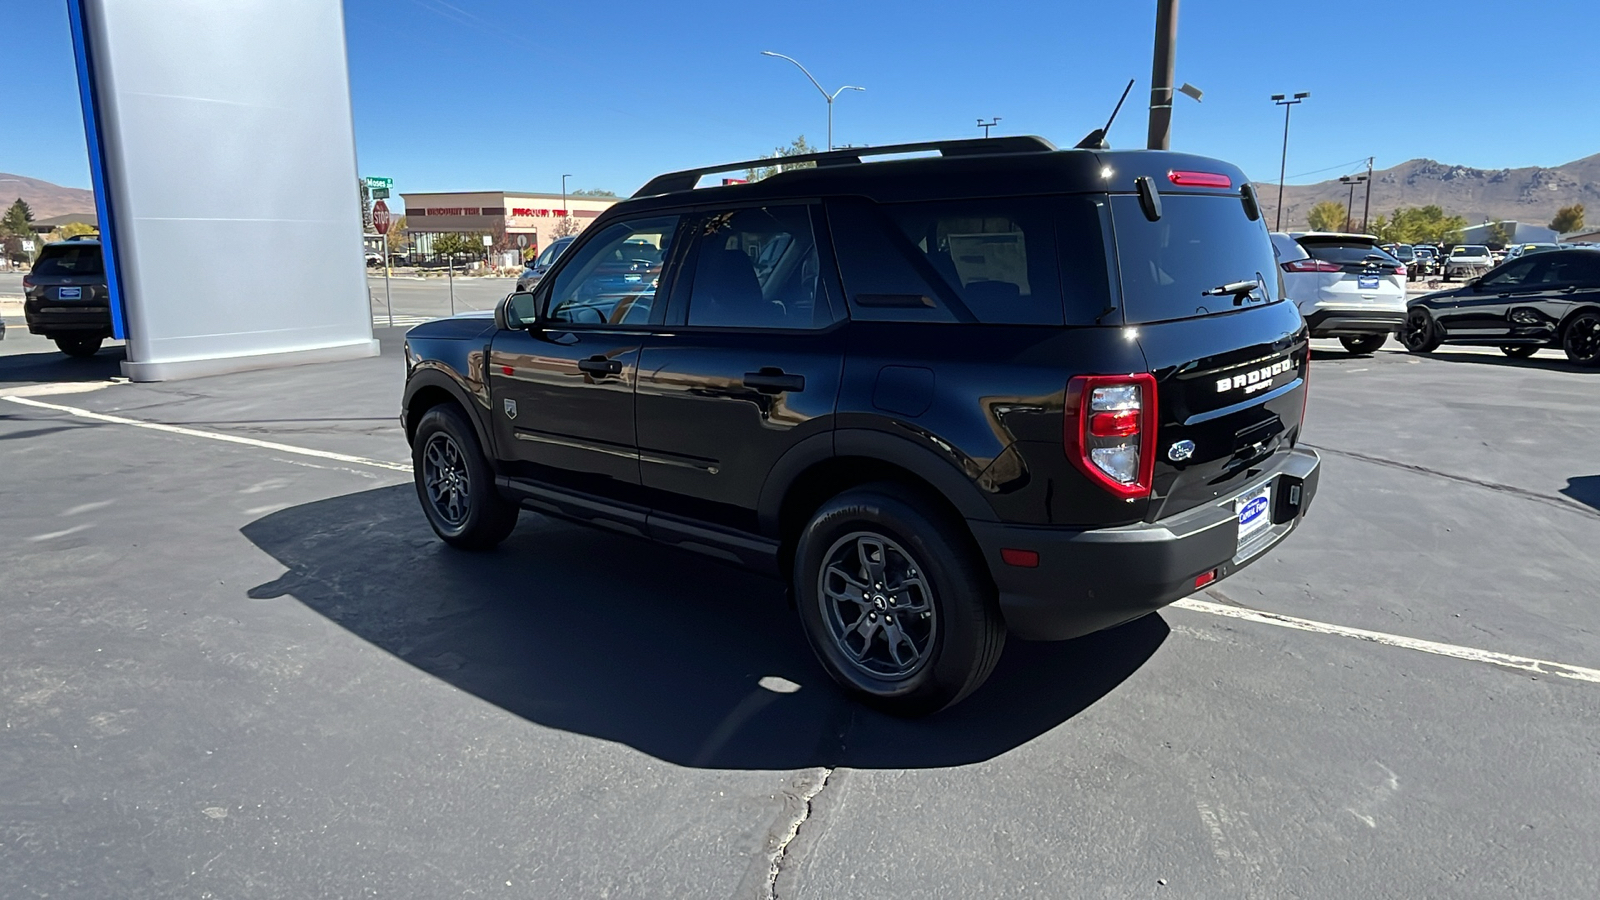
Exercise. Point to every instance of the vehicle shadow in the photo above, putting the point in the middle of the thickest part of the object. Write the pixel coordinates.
(681, 658)
(1585, 489)
(1553, 364)
(53, 365)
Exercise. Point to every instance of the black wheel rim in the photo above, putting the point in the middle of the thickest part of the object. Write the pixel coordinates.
(445, 477)
(1583, 339)
(1417, 330)
(877, 605)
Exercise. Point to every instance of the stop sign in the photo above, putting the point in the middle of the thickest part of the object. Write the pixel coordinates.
(380, 217)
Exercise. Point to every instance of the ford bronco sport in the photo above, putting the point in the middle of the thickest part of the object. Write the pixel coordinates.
(999, 388)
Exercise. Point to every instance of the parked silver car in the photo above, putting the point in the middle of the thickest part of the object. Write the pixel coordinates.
(535, 270)
(1469, 261)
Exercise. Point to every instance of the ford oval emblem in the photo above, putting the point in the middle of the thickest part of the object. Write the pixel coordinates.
(1252, 510)
(1180, 451)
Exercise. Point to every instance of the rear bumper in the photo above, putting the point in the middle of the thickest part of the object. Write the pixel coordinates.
(1335, 322)
(49, 317)
(1091, 580)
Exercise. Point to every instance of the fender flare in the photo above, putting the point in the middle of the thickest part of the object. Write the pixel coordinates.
(436, 376)
(938, 470)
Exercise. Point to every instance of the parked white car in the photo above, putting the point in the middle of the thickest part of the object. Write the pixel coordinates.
(1345, 285)
(1468, 260)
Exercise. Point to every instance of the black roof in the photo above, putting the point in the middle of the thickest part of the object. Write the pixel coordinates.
(992, 167)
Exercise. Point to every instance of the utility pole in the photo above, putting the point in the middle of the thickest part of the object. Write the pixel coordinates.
(1351, 180)
(988, 125)
(1366, 205)
(1284, 161)
(1161, 74)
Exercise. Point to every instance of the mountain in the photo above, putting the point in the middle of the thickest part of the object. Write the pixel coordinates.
(45, 199)
(1531, 195)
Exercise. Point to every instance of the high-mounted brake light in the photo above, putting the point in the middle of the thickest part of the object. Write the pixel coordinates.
(1310, 265)
(1200, 179)
(1110, 431)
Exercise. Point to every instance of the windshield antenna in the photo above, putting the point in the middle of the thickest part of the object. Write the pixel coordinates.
(1096, 139)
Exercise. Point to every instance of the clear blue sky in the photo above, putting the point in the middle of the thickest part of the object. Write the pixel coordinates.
(625, 90)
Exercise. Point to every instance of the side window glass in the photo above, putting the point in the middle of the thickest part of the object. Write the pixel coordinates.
(1586, 269)
(998, 256)
(612, 278)
(757, 268)
(1514, 274)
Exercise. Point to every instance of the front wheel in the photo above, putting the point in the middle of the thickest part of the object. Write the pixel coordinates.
(1520, 351)
(1581, 340)
(79, 346)
(1420, 334)
(1367, 343)
(455, 484)
(895, 602)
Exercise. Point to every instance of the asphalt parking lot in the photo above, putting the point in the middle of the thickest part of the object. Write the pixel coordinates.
(234, 662)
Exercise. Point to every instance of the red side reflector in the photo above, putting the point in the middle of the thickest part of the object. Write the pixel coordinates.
(1205, 579)
(1027, 559)
(1121, 423)
(507, 370)
(1200, 179)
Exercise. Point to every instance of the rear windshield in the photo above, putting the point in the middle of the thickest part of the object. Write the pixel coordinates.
(1199, 244)
(1346, 252)
(80, 260)
(1470, 251)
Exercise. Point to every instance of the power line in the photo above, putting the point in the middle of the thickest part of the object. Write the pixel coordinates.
(1347, 166)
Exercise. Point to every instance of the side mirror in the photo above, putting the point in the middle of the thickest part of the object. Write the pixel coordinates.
(517, 312)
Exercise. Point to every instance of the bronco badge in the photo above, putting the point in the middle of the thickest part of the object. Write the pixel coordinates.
(511, 408)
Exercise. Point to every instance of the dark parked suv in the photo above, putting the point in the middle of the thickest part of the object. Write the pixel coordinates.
(65, 296)
(1001, 388)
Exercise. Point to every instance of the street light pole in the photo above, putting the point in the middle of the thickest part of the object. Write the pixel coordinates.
(564, 195)
(1162, 69)
(825, 95)
(988, 125)
(1284, 161)
(1366, 204)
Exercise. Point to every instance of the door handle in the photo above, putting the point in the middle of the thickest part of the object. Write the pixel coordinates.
(773, 380)
(600, 366)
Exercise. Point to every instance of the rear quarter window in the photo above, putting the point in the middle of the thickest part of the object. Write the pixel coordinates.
(1005, 261)
(1201, 242)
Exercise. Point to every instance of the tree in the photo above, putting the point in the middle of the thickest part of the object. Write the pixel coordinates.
(18, 220)
(567, 225)
(798, 148)
(1423, 225)
(1568, 219)
(73, 229)
(593, 192)
(451, 244)
(1326, 216)
(399, 241)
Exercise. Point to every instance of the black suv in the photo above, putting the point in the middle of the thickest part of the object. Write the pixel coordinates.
(65, 296)
(1549, 299)
(1003, 387)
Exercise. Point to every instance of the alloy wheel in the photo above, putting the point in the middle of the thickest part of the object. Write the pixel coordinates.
(445, 476)
(1582, 340)
(877, 605)
(1417, 330)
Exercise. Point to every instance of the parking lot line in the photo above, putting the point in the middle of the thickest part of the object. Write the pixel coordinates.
(1471, 654)
(214, 435)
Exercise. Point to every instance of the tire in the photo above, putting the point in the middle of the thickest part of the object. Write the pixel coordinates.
(79, 346)
(1420, 334)
(906, 557)
(1520, 351)
(455, 484)
(1581, 339)
(1367, 343)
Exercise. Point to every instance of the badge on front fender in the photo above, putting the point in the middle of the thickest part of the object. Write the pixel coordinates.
(511, 408)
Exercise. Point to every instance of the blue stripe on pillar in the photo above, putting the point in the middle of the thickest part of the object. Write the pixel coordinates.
(97, 169)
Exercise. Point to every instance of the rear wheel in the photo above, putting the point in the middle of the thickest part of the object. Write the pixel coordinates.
(1364, 344)
(1581, 340)
(1520, 351)
(895, 602)
(1420, 334)
(79, 346)
(455, 484)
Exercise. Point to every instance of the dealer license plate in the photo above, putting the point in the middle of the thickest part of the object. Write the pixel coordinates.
(1367, 282)
(1255, 513)
(66, 293)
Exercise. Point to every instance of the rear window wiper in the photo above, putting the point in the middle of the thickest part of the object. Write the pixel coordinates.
(1237, 289)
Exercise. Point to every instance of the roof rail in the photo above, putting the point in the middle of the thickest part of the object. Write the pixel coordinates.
(686, 180)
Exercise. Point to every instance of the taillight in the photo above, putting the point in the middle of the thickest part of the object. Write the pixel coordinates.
(1310, 265)
(27, 282)
(1110, 431)
(1400, 270)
